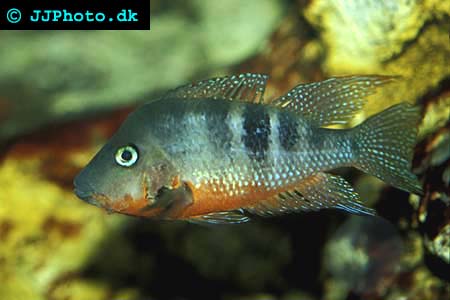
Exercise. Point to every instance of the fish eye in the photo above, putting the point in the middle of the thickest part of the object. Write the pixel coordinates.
(127, 156)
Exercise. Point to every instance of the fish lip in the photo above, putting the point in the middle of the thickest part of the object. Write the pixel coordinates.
(81, 183)
(85, 192)
(84, 195)
(88, 197)
(82, 190)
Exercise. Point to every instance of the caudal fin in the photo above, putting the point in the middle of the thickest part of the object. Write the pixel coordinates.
(384, 146)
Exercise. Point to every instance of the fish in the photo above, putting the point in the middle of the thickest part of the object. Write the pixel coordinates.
(215, 151)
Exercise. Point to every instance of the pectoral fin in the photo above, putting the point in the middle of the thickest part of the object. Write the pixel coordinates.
(221, 218)
(171, 201)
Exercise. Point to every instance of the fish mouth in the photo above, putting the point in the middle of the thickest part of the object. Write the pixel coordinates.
(82, 194)
(86, 196)
(95, 199)
(85, 192)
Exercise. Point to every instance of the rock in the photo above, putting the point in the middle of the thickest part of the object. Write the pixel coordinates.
(361, 35)
(47, 235)
(362, 258)
(432, 215)
(406, 38)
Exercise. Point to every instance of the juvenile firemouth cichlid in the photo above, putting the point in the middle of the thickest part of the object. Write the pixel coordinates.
(214, 151)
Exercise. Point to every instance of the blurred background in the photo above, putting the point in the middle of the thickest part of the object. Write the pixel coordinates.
(63, 93)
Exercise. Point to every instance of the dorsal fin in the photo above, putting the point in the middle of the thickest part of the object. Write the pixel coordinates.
(332, 101)
(246, 87)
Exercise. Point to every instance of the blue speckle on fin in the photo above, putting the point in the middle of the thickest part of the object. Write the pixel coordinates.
(316, 192)
(384, 146)
(332, 191)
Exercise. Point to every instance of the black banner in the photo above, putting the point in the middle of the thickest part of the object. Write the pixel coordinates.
(74, 14)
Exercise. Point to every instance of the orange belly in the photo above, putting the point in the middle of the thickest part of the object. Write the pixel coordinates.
(210, 198)
(206, 198)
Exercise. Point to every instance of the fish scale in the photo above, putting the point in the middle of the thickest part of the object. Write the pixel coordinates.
(214, 150)
(304, 159)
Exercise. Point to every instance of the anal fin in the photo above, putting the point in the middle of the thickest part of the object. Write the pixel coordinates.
(332, 191)
(316, 192)
(282, 203)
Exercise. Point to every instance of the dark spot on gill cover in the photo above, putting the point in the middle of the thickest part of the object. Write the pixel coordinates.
(256, 131)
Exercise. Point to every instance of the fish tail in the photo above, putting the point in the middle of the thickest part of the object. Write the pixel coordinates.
(384, 146)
